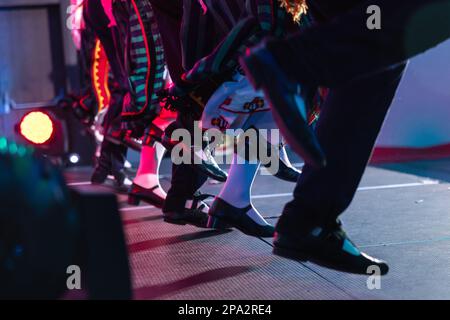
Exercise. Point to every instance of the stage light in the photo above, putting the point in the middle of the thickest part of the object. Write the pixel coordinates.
(45, 129)
(74, 158)
(37, 127)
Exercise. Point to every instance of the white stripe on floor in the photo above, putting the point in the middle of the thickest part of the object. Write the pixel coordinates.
(83, 183)
(389, 186)
(404, 185)
(137, 208)
(281, 195)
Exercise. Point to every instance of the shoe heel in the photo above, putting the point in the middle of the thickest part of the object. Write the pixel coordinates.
(217, 223)
(133, 200)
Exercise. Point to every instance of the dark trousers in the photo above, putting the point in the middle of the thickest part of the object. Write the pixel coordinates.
(342, 48)
(185, 180)
(350, 121)
(188, 35)
(169, 14)
(363, 68)
(86, 59)
(112, 156)
(112, 42)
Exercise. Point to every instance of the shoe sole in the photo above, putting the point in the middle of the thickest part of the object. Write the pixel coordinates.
(231, 225)
(287, 174)
(135, 200)
(301, 257)
(183, 222)
(178, 222)
(216, 223)
(287, 177)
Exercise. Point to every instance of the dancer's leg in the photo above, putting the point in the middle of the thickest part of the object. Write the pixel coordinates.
(147, 175)
(112, 156)
(237, 189)
(344, 48)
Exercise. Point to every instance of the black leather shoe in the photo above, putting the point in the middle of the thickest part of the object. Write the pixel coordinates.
(287, 173)
(110, 162)
(102, 168)
(288, 101)
(193, 217)
(204, 162)
(138, 194)
(119, 177)
(238, 218)
(99, 175)
(329, 248)
(118, 180)
(196, 215)
(283, 170)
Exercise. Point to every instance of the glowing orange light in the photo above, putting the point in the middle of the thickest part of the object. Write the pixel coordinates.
(100, 74)
(36, 127)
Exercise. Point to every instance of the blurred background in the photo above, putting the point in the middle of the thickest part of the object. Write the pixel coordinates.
(39, 66)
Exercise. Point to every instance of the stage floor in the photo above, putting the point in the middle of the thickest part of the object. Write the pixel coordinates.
(401, 213)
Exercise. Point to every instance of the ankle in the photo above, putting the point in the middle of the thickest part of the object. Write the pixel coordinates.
(236, 200)
(147, 180)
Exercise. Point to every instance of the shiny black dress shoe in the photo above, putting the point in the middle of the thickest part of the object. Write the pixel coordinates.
(330, 248)
(201, 160)
(195, 215)
(287, 173)
(138, 194)
(111, 162)
(116, 180)
(289, 103)
(282, 171)
(107, 169)
(225, 213)
(101, 173)
(204, 162)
